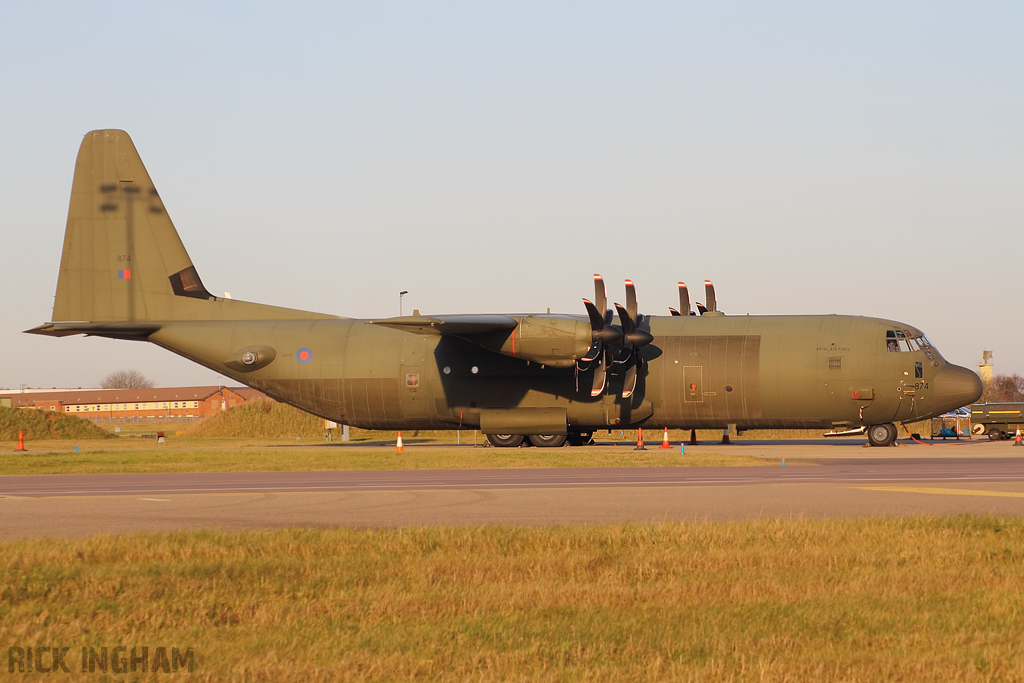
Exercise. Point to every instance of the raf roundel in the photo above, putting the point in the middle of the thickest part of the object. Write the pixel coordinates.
(303, 355)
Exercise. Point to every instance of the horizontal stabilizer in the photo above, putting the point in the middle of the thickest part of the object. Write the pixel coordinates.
(138, 331)
(449, 325)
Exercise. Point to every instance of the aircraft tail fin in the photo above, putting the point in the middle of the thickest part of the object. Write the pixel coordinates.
(122, 258)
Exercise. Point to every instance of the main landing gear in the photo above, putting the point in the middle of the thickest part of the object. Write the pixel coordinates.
(540, 440)
(882, 435)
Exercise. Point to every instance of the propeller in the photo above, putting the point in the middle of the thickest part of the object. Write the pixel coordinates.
(709, 294)
(606, 337)
(684, 302)
(603, 335)
(632, 339)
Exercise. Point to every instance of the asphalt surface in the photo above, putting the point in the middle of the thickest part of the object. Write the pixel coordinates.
(932, 481)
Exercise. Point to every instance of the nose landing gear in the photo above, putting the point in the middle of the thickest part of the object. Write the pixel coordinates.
(882, 435)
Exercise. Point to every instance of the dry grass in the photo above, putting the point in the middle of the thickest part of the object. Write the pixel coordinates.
(40, 424)
(262, 419)
(201, 457)
(839, 600)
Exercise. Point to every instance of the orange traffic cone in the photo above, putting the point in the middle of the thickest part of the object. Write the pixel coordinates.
(398, 446)
(640, 440)
(725, 435)
(664, 440)
(21, 440)
(693, 437)
(1018, 441)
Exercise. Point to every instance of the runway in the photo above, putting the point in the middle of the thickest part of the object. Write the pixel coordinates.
(79, 505)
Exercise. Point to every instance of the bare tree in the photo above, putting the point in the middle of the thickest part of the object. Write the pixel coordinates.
(1004, 388)
(126, 379)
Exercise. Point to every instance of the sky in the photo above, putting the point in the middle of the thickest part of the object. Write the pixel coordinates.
(855, 158)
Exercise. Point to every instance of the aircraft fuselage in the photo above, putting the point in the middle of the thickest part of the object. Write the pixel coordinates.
(700, 372)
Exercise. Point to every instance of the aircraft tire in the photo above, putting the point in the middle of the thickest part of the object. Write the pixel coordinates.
(995, 435)
(882, 435)
(547, 440)
(505, 440)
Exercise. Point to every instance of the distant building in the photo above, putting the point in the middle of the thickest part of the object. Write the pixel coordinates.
(171, 403)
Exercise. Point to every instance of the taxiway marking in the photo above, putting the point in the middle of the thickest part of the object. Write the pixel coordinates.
(946, 492)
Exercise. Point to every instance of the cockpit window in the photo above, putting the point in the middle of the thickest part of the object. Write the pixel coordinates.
(900, 341)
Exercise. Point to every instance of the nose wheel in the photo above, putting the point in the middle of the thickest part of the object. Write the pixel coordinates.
(882, 435)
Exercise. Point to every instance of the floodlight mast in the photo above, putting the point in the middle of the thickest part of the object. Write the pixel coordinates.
(400, 295)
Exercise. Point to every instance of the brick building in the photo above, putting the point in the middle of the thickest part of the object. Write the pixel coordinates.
(169, 403)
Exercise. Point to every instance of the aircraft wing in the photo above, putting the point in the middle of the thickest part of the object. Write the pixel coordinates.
(449, 325)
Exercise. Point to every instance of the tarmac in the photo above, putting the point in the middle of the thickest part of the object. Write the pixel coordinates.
(827, 479)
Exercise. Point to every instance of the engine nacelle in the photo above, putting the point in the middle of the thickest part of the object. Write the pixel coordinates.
(550, 340)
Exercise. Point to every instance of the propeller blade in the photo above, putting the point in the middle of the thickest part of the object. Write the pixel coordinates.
(684, 299)
(594, 352)
(626, 319)
(623, 354)
(600, 375)
(709, 294)
(600, 295)
(629, 381)
(674, 312)
(631, 299)
(596, 318)
(701, 309)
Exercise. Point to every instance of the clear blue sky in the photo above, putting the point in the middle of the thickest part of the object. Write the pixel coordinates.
(808, 157)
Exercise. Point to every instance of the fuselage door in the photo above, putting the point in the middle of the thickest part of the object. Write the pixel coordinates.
(414, 388)
(693, 384)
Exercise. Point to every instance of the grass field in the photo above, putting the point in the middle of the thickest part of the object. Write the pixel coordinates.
(839, 600)
(215, 455)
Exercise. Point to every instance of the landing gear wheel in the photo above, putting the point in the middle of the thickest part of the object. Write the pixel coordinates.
(547, 440)
(580, 438)
(882, 435)
(995, 435)
(505, 440)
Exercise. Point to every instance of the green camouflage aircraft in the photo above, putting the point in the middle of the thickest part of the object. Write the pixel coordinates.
(125, 274)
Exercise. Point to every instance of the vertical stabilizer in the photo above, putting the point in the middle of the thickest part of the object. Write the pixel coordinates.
(121, 254)
(123, 260)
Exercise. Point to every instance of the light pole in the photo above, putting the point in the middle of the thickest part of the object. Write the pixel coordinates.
(400, 295)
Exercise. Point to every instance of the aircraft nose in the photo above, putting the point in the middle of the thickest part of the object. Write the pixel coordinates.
(955, 386)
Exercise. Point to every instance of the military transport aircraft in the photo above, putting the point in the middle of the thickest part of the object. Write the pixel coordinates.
(125, 274)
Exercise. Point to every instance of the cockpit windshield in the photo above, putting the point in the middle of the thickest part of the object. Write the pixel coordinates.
(898, 341)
